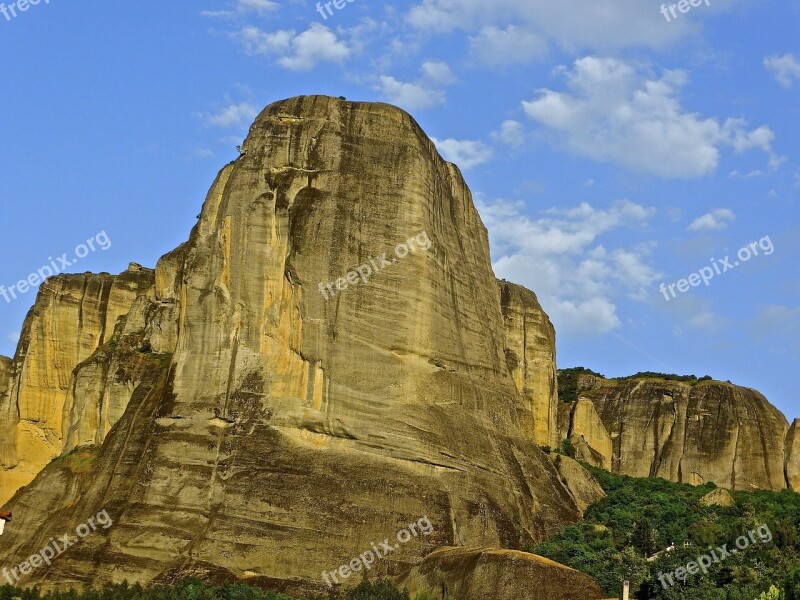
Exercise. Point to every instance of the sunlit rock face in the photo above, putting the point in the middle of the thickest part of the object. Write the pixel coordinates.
(72, 317)
(531, 359)
(266, 426)
(690, 433)
(793, 456)
(486, 574)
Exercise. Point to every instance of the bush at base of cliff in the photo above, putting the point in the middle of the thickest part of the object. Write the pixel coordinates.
(192, 589)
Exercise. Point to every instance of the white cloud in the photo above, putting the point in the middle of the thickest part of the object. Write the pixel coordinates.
(410, 96)
(511, 133)
(232, 115)
(560, 257)
(464, 153)
(244, 7)
(612, 113)
(786, 68)
(438, 72)
(202, 152)
(13, 337)
(717, 220)
(423, 93)
(498, 47)
(600, 25)
(296, 52)
(706, 320)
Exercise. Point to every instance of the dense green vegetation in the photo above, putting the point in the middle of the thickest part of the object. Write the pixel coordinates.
(690, 379)
(568, 382)
(640, 517)
(193, 589)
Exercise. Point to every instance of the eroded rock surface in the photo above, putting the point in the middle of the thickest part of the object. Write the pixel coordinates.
(583, 487)
(262, 429)
(718, 497)
(491, 574)
(690, 433)
(72, 317)
(793, 456)
(588, 435)
(531, 358)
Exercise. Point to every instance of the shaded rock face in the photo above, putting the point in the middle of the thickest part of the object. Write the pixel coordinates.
(263, 429)
(6, 366)
(485, 574)
(72, 317)
(583, 487)
(793, 456)
(531, 359)
(588, 434)
(710, 431)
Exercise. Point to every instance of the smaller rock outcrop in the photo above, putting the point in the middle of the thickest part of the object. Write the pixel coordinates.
(718, 497)
(682, 429)
(588, 435)
(491, 574)
(584, 488)
(5, 373)
(73, 316)
(793, 456)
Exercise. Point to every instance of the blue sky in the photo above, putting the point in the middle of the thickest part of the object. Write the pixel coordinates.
(610, 150)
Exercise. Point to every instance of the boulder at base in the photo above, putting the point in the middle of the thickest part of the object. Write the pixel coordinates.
(492, 574)
(718, 497)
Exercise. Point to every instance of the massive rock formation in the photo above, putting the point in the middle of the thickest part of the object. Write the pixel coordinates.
(73, 316)
(266, 412)
(690, 432)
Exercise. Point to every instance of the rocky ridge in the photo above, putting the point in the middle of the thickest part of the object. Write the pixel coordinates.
(688, 432)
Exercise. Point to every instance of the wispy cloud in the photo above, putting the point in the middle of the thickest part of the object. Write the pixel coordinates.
(578, 278)
(786, 68)
(231, 115)
(717, 220)
(511, 133)
(425, 92)
(243, 8)
(295, 51)
(613, 113)
(467, 154)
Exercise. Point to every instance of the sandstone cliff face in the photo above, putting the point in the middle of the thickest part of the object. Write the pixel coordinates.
(6, 366)
(531, 359)
(588, 434)
(584, 488)
(709, 431)
(73, 316)
(486, 574)
(254, 426)
(793, 456)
